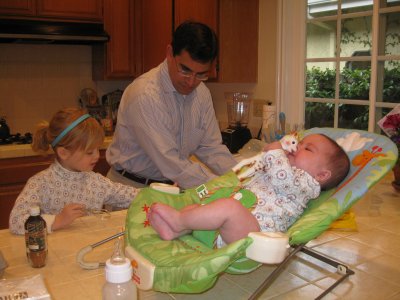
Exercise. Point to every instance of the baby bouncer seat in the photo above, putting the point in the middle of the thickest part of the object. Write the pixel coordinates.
(190, 264)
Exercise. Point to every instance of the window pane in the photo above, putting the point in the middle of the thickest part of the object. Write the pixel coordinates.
(389, 3)
(350, 6)
(320, 80)
(388, 87)
(319, 114)
(353, 116)
(356, 36)
(389, 34)
(354, 80)
(321, 39)
(318, 8)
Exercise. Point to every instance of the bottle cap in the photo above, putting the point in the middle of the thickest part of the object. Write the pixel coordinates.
(34, 210)
(118, 273)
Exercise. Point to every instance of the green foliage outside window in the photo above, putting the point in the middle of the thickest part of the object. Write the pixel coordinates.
(354, 84)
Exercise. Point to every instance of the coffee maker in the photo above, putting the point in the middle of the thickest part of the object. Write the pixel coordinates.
(237, 134)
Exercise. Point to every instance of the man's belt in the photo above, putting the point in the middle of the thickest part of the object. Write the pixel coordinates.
(141, 179)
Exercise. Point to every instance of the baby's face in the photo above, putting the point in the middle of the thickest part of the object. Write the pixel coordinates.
(312, 154)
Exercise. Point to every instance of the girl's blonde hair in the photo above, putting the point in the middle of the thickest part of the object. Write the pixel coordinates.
(85, 136)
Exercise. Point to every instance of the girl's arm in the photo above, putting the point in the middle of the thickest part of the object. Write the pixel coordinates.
(118, 194)
(28, 197)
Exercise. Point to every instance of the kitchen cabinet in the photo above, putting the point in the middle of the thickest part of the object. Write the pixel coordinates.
(15, 172)
(116, 59)
(235, 22)
(83, 10)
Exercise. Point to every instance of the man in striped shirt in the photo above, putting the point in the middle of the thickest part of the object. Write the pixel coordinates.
(167, 115)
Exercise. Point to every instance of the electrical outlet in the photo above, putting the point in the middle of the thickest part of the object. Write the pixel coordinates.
(258, 107)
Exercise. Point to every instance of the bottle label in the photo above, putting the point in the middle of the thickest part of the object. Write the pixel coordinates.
(36, 236)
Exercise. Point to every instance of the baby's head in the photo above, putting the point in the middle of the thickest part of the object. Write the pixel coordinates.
(322, 158)
(70, 128)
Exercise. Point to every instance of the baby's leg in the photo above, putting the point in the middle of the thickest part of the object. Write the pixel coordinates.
(232, 219)
(162, 227)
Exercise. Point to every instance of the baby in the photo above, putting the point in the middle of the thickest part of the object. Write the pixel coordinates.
(283, 190)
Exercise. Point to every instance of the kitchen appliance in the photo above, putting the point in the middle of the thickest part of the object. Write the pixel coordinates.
(17, 139)
(237, 134)
(51, 32)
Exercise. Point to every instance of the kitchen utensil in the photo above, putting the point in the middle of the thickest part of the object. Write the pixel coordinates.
(4, 129)
(282, 121)
(237, 134)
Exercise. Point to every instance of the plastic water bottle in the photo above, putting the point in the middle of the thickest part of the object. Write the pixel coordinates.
(119, 284)
(36, 238)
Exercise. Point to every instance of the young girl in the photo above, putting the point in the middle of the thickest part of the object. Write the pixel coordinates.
(69, 188)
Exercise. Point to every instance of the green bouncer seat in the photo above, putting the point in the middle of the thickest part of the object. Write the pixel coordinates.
(191, 264)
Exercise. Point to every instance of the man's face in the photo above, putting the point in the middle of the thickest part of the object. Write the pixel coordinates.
(186, 74)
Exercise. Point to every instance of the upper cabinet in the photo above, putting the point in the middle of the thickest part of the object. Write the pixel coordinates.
(235, 22)
(116, 59)
(238, 36)
(83, 10)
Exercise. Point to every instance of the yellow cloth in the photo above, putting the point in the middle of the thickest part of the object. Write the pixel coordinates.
(347, 222)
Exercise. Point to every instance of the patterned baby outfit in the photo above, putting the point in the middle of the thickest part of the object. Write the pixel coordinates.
(282, 192)
(56, 186)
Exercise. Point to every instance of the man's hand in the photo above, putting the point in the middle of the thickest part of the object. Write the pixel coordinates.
(69, 213)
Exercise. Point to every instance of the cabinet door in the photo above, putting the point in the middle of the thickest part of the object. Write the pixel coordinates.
(154, 32)
(238, 35)
(20, 7)
(205, 11)
(115, 59)
(91, 10)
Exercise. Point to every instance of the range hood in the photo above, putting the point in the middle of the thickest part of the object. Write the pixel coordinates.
(49, 32)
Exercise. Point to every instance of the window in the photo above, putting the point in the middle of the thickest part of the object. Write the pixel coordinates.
(348, 58)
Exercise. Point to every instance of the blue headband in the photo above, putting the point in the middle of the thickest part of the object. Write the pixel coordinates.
(69, 128)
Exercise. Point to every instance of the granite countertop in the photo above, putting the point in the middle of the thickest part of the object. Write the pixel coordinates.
(12, 151)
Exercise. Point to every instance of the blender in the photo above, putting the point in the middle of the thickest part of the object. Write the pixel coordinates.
(237, 134)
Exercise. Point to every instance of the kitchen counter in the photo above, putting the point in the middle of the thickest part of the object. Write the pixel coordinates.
(13, 150)
(63, 277)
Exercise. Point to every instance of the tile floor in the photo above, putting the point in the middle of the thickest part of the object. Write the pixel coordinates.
(373, 252)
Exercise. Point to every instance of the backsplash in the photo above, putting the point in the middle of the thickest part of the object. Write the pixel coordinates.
(37, 80)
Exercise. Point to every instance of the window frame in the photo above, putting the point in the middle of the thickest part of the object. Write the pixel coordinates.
(292, 59)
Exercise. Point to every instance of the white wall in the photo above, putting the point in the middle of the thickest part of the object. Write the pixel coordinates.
(37, 80)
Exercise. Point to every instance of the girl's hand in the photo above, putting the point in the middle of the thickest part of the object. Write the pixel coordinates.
(69, 213)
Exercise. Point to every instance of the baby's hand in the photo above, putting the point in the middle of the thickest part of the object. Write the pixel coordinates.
(69, 213)
(272, 146)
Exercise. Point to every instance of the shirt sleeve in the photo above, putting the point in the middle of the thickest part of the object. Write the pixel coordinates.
(29, 196)
(118, 195)
(211, 151)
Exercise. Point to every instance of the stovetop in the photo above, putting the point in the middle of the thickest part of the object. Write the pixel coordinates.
(17, 139)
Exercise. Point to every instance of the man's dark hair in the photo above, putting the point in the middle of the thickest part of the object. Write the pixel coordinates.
(199, 40)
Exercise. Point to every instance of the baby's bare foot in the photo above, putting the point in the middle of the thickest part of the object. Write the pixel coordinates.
(159, 225)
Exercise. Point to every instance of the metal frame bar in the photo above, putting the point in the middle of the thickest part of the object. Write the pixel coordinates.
(341, 269)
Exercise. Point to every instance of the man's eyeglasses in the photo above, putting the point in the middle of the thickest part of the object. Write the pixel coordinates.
(189, 73)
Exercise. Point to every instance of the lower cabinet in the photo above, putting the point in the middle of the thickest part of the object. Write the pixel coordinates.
(15, 172)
